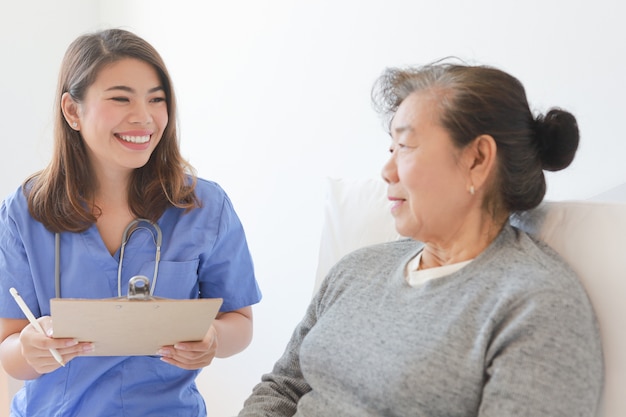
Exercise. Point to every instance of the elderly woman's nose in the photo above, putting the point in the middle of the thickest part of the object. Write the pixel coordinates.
(389, 171)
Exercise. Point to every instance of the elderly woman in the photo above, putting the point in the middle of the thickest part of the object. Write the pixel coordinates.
(470, 316)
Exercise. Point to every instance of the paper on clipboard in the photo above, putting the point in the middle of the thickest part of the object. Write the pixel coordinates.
(126, 327)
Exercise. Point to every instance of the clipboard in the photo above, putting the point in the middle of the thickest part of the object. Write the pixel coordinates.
(136, 325)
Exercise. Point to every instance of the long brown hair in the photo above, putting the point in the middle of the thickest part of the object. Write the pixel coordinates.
(61, 195)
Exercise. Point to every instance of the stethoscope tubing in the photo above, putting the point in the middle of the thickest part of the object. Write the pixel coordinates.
(128, 231)
(157, 256)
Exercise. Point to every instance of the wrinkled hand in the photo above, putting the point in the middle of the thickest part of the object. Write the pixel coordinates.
(191, 355)
(36, 347)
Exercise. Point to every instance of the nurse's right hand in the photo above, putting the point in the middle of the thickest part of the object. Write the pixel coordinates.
(36, 347)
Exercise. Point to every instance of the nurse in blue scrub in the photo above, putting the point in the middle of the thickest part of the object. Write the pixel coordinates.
(116, 159)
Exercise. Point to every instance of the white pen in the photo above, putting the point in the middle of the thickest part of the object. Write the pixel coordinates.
(20, 302)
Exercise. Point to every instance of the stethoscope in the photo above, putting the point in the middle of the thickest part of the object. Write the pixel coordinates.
(157, 238)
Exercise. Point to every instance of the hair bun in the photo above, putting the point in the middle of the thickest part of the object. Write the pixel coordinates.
(557, 136)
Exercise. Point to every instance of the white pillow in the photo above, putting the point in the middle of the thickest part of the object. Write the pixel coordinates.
(356, 215)
(591, 236)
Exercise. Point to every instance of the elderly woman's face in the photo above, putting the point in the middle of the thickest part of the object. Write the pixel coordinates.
(427, 184)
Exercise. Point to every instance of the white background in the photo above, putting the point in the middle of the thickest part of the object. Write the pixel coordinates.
(274, 96)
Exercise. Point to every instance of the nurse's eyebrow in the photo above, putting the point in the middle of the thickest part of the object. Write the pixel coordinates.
(131, 90)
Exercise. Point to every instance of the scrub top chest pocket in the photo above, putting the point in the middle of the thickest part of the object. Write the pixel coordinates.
(177, 280)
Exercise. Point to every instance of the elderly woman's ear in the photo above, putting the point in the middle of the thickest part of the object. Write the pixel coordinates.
(480, 159)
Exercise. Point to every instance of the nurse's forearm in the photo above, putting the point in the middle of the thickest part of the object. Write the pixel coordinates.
(12, 360)
(234, 331)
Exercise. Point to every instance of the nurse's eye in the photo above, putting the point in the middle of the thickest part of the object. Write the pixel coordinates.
(120, 99)
(158, 100)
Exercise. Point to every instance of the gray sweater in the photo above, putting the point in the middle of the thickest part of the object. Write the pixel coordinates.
(511, 334)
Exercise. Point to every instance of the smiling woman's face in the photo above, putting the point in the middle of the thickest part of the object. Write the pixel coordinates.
(123, 116)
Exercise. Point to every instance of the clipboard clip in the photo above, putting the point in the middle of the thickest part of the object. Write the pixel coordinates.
(139, 288)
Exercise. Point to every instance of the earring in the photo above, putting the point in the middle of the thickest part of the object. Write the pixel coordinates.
(74, 125)
(471, 190)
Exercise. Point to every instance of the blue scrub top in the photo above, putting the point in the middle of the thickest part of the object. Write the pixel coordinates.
(204, 254)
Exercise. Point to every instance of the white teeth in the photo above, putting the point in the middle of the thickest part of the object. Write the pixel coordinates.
(135, 139)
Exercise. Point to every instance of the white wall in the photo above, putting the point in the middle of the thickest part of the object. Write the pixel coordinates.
(33, 38)
(274, 97)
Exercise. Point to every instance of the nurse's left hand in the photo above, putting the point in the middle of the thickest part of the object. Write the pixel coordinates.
(191, 355)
